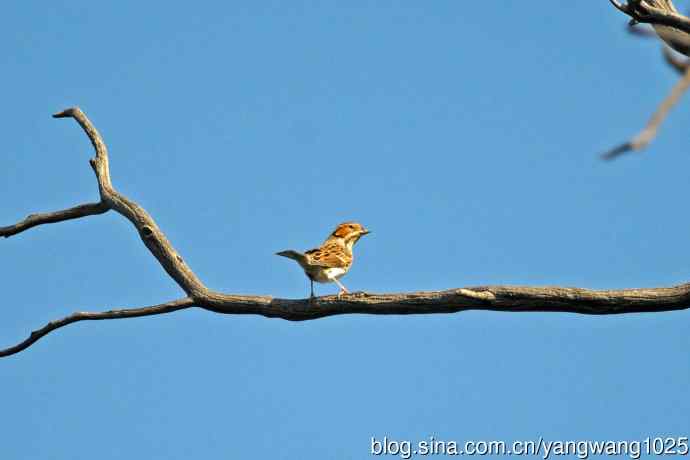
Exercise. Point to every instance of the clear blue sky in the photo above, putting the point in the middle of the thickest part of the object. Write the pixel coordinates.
(464, 134)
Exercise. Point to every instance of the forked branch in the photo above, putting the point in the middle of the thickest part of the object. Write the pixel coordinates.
(654, 12)
(674, 30)
(492, 298)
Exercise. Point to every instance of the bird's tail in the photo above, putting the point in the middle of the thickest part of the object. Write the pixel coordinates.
(294, 255)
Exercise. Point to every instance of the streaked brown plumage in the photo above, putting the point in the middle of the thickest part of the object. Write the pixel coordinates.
(332, 259)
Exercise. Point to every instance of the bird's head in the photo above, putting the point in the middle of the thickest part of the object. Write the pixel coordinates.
(348, 233)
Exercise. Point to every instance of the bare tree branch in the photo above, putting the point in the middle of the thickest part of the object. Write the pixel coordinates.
(675, 33)
(657, 13)
(89, 316)
(148, 231)
(34, 220)
(492, 298)
(643, 138)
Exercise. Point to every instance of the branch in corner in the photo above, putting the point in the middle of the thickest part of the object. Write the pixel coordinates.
(644, 137)
(674, 29)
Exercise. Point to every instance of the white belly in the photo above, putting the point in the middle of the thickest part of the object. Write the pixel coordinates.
(327, 275)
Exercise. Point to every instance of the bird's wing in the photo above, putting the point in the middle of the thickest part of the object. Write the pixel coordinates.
(330, 256)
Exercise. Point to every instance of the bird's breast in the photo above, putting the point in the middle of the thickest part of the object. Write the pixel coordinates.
(326, 275)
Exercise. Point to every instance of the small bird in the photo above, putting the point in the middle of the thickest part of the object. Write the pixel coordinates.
(332, 259)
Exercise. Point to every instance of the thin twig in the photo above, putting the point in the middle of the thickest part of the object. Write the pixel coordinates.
(675, 35)
(34, 220)
(645, 136)
(96, 316)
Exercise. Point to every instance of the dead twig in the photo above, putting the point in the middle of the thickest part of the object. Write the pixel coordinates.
(674, 30)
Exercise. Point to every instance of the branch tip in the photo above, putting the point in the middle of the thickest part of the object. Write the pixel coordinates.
(67, 113)
(618, 151)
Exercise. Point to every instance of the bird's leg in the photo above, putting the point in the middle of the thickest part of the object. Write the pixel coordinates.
(343, 289)
(312, 288)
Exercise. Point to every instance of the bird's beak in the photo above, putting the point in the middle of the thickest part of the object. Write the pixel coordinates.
(365, 232)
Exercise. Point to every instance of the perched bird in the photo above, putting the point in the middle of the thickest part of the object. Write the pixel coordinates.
(332, 259)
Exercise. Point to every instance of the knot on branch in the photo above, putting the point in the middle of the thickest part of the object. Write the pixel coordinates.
(146, 231)
(486, 296)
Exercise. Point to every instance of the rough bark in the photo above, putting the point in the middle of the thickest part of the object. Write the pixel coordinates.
(492, 298)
